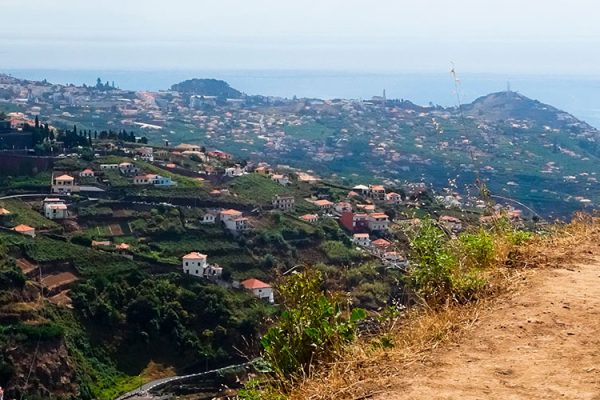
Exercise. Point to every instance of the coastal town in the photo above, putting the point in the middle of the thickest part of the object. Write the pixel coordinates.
(394, 141)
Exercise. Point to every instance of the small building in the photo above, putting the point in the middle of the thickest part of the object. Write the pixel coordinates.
(324, 205)
(380, 246)
(153, 179)
(281, 179)
(208, 218)
(188, 147)
(194, 263)
(127, 168)
(310, 218)
(105, 167)
(225, 215)
(361, 239)
(377, 192)
(25, 230)
(86, 173)
(343, 207)
(145, 153)
(285, 203)
(237, 225)
(4, 212)
(393, 198)
(234, 171)
(361, 190)
(259, 289)
(162, 181)
(64, 184)
(378, 222)
(55, 209)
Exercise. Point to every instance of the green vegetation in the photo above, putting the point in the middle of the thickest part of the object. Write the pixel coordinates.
(312, 328)
(339, 252)
(258, 188)
(309, 131)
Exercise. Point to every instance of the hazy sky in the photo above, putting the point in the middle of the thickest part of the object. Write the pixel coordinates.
(516, 36)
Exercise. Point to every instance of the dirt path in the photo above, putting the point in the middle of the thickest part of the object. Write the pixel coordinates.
(540, 343)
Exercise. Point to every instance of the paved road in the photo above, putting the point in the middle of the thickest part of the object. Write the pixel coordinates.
(143, 391)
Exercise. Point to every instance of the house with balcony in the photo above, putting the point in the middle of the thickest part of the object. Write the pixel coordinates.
(361, 239)
(378, 222)
(194, 263)
(64, 184)
(284, 203)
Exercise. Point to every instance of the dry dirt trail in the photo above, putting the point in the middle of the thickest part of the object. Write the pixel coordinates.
(542, 342)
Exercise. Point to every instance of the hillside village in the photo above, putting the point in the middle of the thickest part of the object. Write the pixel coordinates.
(389, 141)
(104, 226)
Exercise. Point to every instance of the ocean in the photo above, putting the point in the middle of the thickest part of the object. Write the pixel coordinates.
(578, 95)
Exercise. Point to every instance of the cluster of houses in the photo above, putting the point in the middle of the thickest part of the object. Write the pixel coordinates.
(232, 220)
(196, 264)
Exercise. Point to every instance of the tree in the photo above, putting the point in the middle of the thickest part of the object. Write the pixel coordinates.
(37, 122)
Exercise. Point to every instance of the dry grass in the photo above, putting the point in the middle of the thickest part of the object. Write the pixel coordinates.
(368, 369)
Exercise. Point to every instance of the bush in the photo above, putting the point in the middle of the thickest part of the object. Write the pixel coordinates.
(312, 327)
(477, 248)
(432, 263)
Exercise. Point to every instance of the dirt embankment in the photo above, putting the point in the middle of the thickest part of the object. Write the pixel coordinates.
(541, 343)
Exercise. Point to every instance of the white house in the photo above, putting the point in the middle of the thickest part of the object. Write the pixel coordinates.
(284, 203)
(310, 218)
(342, 207)
(234, 171)
(361, 239)
(281, 179)
(208, 218)
(377, 192)
(324, 205)
(361, 189)
(378, 222)
(127, 168)
(55, 209)
(237, 225)
(142, 179)
(109, 166)
(64, 184)
(393, 198)
(146, 153)
(86, 173)
(234, 221)
(259, 289)
(153, 179)
(194, 263)
(163, 181)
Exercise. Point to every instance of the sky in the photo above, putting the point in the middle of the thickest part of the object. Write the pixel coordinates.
(483, 36)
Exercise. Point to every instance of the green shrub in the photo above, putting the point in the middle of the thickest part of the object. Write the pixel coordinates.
(432, 263)
(477, 248)
(312, 327)
(518, 238)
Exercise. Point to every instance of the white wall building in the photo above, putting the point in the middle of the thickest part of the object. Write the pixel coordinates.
(64, 184)
(259, 289)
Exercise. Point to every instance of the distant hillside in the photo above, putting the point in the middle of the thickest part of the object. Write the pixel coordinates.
(207, 87)
(502, 106)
